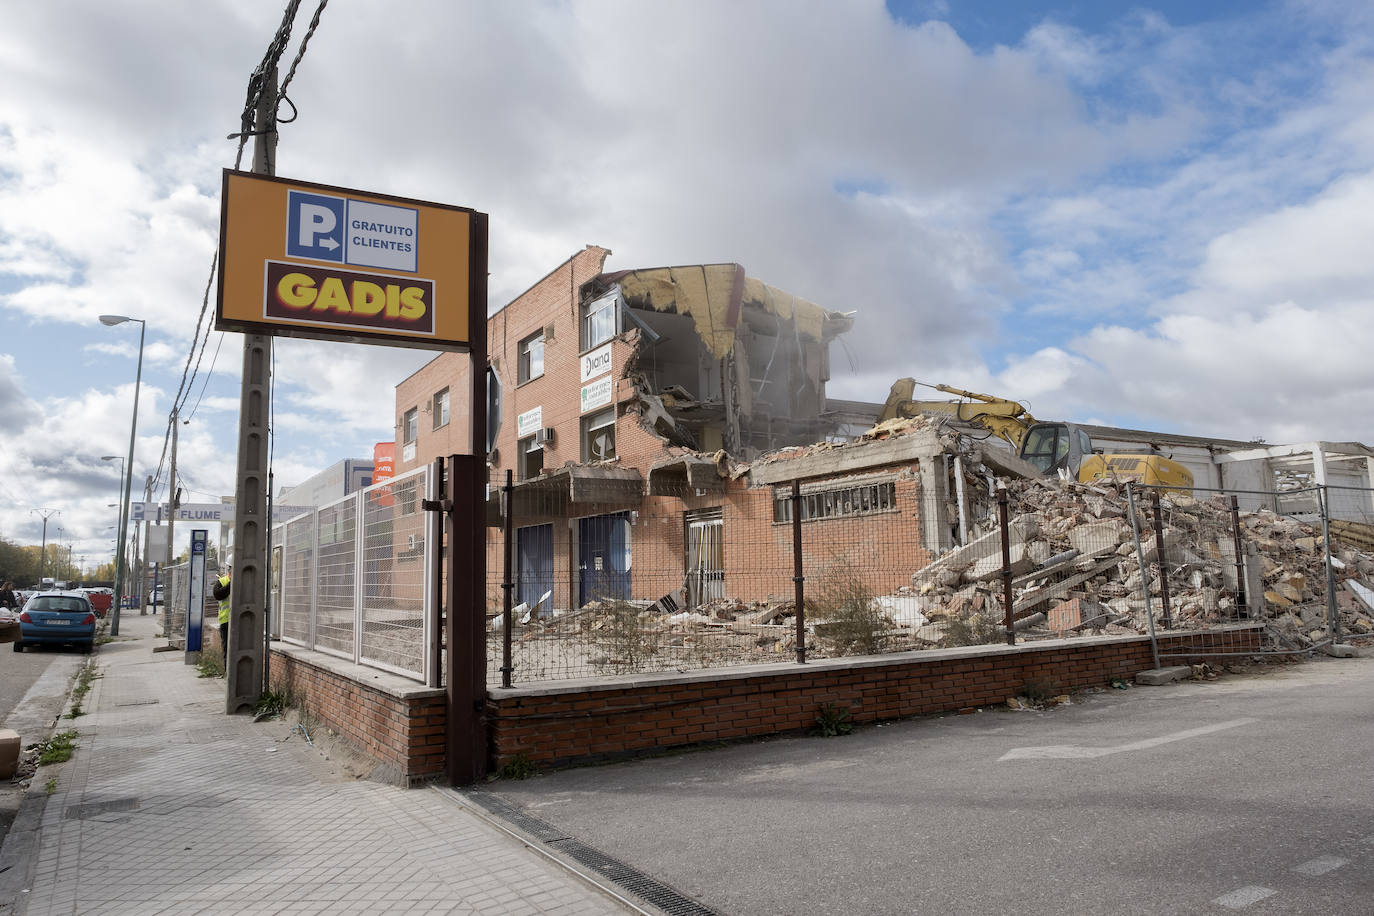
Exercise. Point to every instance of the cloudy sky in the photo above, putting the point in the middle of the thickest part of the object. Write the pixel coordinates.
(1155, 215)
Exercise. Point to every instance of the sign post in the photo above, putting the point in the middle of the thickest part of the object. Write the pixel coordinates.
(300, 259)
(195, 598)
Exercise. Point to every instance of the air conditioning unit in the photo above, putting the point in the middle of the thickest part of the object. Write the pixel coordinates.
(544, 436)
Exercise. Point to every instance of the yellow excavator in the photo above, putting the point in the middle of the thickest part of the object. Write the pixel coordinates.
(1050, 447)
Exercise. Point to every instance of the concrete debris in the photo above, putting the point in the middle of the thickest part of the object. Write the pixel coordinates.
(1076, 568)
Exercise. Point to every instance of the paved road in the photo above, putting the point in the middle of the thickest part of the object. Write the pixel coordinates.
(1246, 794)
(33, 689)
(20, 670)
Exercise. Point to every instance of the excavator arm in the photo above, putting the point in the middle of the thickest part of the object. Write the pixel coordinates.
(1005, 419)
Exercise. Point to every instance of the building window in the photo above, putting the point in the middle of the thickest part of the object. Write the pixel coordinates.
(441, 408)
(838, 503)
(598, 435)
(598, 321)
(531, 458)
(410, 426)
(531, 357)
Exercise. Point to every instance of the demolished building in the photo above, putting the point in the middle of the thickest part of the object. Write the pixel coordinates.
(625, 396)
(655, 422)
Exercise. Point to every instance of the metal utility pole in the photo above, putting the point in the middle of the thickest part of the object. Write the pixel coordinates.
(147, 533)
(172, 495)
(45, 514)
(247, 596)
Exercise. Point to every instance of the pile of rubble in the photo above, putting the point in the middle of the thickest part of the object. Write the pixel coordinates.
(1077, 567)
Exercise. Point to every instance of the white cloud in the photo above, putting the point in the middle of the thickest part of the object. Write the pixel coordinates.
(1137, 222)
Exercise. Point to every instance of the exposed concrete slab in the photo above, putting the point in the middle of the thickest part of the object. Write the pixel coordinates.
(1159, 676)
(847, 459)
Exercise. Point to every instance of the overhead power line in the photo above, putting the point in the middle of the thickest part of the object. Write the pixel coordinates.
(276, 49)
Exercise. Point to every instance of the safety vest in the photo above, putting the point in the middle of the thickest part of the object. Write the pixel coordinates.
(224, 603)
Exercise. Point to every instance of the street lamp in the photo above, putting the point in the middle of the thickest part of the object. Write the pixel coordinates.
(120, 459)
(111, 321)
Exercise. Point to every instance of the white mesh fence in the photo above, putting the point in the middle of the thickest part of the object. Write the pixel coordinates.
(359, 591)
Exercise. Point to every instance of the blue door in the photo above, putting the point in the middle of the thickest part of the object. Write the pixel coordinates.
(603, 557)
(534, 559)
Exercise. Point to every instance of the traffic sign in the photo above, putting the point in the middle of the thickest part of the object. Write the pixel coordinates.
(307, 260)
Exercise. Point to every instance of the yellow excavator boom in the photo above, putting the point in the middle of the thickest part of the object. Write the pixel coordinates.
(1051, 446)
(1005, 419)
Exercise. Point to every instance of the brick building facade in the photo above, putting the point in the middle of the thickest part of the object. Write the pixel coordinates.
(630, 401)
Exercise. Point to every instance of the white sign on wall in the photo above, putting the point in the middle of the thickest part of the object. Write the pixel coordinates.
(597, 394)
(529, 422)
(597, 362)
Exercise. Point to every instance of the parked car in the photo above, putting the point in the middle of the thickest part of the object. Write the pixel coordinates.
(57, 618)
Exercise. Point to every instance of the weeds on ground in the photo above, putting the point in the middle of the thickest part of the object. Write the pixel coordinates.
(83, 687)
(629, 645)
(973, 630)
(832, 721)
(846, 615)
(58, 748)
(518, 767)
(209, 664)
(271, 703)
(51, 785)
(1040, 691)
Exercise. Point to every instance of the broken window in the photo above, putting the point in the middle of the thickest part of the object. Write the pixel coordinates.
(531, 454)
(598, 435)
(531, 357)
(599, 321)
(837, 503)
(441, 409)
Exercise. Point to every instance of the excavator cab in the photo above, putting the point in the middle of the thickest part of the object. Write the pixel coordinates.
(1054, 447)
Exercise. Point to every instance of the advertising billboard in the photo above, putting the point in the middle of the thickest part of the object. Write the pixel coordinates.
(307, 260)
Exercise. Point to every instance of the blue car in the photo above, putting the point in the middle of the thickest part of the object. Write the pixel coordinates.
(57, 618)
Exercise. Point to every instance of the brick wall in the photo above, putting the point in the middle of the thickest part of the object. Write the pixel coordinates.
(579, 723)
(396, 723)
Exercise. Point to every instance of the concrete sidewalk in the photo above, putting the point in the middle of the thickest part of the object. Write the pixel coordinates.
(170, 806)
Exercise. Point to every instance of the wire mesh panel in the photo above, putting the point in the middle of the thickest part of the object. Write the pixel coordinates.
(335, 577)
(611, 573)
(175, 595)
(297, 576)
(394, 573)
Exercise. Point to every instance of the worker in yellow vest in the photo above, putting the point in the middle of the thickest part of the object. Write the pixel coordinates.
(221, 593)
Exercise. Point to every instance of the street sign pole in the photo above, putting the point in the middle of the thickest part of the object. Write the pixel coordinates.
(248, 590)
(195, 597)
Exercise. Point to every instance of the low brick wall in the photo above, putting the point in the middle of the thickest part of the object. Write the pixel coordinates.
(394, 721)
(585, 721)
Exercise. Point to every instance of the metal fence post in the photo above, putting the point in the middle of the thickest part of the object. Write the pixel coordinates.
(1333, 615)
(1002, 513)
(507, 585)
(314, 578)
(1242, 608)
(1160, 559)
(359, 568)
(1144, 579)
(798, 579)
(434, 575)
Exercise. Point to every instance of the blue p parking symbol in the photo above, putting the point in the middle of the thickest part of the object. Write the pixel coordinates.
(315, 227)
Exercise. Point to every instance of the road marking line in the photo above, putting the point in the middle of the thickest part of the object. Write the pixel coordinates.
(1239, 899)
(1074, 752)
(1320, 865)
